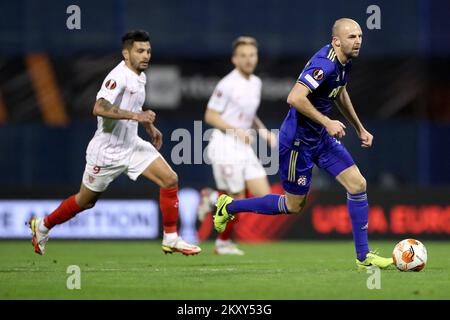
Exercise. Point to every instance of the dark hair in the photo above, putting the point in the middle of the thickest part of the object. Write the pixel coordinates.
(243, 40)
(136, 35)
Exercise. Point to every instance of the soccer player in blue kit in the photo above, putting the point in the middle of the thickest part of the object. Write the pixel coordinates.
(308, 136)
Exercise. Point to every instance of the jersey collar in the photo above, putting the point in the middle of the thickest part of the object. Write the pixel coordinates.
(138, 77)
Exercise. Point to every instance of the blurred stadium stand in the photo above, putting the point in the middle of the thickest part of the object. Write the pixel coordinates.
(49, 77)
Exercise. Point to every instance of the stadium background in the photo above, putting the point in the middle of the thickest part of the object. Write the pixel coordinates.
(49, 76)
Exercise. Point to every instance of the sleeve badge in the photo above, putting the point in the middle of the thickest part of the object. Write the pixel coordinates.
(318, 74)
(110, 84)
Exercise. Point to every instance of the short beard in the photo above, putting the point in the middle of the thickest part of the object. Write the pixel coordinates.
(248, 73)
(139, 69)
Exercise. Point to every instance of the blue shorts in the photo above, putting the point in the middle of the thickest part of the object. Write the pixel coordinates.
(297, 161)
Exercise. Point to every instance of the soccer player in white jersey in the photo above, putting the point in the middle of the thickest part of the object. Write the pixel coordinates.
(116, 148)
(231, 110)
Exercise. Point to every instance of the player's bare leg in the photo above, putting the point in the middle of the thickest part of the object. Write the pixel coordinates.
(358, 207)
(258, 187)
(295, 203)
(271, 204)
(160, 172)
(84, 199)
(352, 180)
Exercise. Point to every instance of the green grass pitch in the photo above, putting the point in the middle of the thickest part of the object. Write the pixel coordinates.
(278, 270)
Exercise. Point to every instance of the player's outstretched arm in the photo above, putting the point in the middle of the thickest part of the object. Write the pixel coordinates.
(298, 98)
(345, 106)
(266, 134)
(103, 108)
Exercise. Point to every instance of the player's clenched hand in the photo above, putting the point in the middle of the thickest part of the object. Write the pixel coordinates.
(156, 137)
(366, 138)
(271, 138)
(147, 116)
(335, 128)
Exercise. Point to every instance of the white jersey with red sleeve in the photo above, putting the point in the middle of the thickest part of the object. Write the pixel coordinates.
(114, 139)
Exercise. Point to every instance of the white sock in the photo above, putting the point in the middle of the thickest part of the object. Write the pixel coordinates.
(42, 227)
(213, 197)
(220, 242)
(170, 236)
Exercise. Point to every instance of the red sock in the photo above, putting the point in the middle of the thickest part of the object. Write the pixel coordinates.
(226, 234)
(168, 202)
(66, 211)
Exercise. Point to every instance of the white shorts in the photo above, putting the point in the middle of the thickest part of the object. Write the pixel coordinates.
(97, 178)
(233, 165)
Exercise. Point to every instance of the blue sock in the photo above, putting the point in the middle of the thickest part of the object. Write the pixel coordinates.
(358, 209)
(269, 204)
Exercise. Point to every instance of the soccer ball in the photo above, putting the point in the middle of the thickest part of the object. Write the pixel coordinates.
(410, 255)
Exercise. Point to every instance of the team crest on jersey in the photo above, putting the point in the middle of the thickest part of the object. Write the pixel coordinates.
(110, 84)
(318, 74)
(218, 93)
(301, 181)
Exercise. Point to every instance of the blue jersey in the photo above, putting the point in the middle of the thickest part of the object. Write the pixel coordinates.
(325, 77)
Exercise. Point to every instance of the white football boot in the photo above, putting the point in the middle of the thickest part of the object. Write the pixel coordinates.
(39, 233)
(173, 243)
(227, 247)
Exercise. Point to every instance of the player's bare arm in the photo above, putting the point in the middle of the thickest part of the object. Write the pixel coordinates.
(345, 106)
(298, 98)
(214, 119)
(156, 137)
(262, 130)
(104, 108)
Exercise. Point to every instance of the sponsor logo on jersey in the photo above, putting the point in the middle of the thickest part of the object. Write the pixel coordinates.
(318, 74)
(110, 84)
(335, 92)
